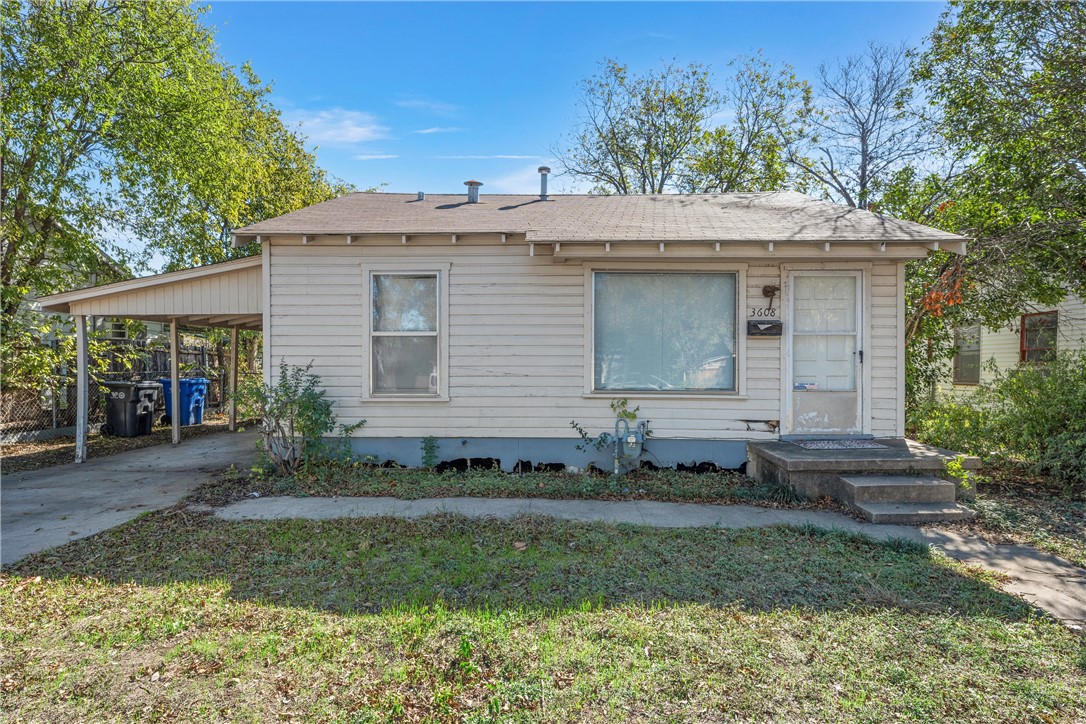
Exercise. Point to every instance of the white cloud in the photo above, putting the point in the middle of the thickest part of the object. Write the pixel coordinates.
(374, 156)
(501, 155)
(438, 129)
(525, 180)
(521, 181)
(428, 104)
(337, 126)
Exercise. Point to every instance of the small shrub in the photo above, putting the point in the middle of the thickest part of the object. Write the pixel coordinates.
(429, 452)
(1032, 405)
(955, 424)
(1033, 416)
(295, 417)
(1064, 458)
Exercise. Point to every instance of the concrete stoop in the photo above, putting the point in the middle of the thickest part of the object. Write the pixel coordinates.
(897, 483)
(903, 498)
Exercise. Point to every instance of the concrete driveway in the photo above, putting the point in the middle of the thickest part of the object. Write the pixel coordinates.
(47, 508)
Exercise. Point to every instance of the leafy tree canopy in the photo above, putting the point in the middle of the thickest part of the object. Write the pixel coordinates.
(121, 122)
(126, 139)
(1007, 83)
(636, 130)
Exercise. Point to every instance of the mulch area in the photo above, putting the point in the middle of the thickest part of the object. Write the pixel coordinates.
(25, 456)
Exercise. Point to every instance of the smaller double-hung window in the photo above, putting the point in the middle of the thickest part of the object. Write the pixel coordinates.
(1038, 340)
(967, 359)
(406, 334)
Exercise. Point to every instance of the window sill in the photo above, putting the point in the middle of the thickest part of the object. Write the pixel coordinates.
(635, 395)
(406, 398)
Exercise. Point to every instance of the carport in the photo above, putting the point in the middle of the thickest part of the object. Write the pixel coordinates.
(229, 295)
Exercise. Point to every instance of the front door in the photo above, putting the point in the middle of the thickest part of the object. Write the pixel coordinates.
(826, 350)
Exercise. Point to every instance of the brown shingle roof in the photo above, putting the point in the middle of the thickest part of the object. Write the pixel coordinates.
(756, 217)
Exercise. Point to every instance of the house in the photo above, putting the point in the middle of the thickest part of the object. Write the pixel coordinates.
(1037, 335)
(495, 323)
(490, 322)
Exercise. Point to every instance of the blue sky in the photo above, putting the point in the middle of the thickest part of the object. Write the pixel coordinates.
(423, 96)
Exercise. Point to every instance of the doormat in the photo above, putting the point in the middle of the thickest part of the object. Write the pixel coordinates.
(839, 445)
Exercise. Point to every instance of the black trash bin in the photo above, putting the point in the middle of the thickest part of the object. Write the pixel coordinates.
(130, 408)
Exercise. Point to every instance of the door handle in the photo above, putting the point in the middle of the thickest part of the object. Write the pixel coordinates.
(861, 356)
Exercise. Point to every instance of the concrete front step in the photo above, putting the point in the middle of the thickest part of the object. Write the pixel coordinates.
(912, 513)
(855, 489)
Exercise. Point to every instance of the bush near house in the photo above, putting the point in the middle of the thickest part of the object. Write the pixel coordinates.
(1031, 417)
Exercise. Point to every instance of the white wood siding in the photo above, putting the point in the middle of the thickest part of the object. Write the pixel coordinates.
(516, 340)
(231, 292)
(884, 350)
(1003, 346)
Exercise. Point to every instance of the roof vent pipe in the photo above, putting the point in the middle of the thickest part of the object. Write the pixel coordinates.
(422, 195)
(543, 171)
(473, 191)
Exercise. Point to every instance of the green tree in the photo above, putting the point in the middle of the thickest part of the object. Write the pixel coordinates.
(770, 111)
(120, 121)
(1009, 81)
(635, 132)
(1006, 80)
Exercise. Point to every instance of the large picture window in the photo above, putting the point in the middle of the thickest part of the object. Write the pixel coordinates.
(1039, 332)
(404, 334)
(664, 331)
(967, 360)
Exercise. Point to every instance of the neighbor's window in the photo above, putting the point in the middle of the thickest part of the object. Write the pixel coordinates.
(404, 334)
(664, 331)
(1039, 336)
(967, 360)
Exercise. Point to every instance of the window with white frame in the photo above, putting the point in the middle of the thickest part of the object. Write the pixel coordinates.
(404, 333)
(664, 331)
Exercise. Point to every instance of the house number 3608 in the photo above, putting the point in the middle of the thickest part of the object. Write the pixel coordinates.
(764, 312)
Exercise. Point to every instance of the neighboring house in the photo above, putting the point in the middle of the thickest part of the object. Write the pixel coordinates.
(1035, 336)
(491, 322)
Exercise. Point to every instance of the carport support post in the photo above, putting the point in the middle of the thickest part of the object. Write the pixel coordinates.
(233, 378)
(175, 385)
(82, 388)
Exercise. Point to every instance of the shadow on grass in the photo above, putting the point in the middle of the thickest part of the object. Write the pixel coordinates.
(530, 563)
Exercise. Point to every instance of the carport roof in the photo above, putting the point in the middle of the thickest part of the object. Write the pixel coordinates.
(228, 294)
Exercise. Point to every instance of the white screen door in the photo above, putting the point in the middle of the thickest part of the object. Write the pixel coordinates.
(825, 384)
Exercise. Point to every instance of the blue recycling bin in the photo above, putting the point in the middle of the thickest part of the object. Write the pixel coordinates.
(192, 393)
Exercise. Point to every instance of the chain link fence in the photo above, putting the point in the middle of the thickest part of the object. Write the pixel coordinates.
(50, 411)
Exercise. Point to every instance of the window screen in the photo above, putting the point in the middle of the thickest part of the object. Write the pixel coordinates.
(967, 360)
(664, 331)
(404, 334)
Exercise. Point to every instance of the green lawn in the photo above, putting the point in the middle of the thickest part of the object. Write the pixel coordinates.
(1010, 510)
(180, 616)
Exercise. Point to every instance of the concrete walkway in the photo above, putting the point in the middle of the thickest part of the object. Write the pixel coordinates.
(1048, 582)
(46, 508)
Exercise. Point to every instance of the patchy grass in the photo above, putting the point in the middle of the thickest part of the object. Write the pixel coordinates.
(24, 456)
(176, 616)
(342, 480)
(1014, 509)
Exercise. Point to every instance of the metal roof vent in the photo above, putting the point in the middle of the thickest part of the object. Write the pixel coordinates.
(473, 191)
(422, 196)
(543, 171)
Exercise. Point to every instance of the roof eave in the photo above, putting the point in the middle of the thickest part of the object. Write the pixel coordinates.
(61, 302)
